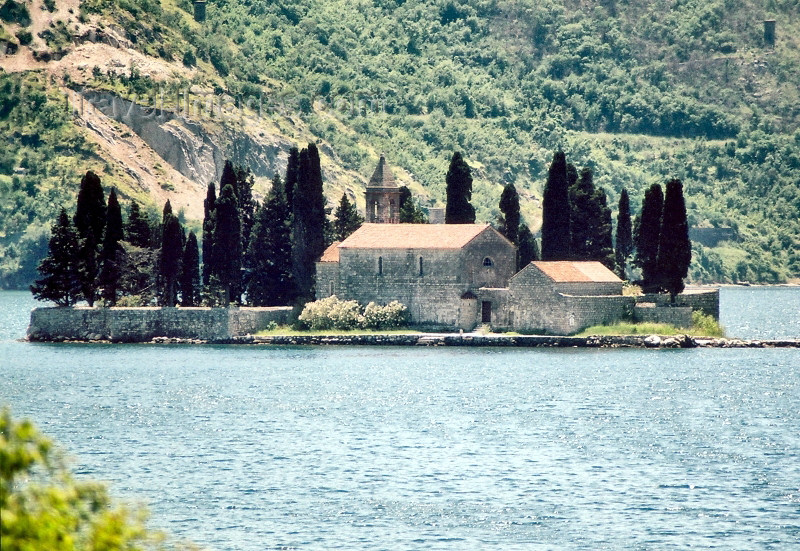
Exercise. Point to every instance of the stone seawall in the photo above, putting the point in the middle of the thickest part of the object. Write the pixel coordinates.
(520, 341)
(146, 324)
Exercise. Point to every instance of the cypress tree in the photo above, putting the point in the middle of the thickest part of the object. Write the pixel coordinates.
(605, 242)
(90, 211)
(229, 178)
(556, 211)
(509, 206)
(590, 221)
(209, 206)
(110, 255)
(270, 252)
(528, 250)
(59, 269)
(347, 220)
(138, 227)
(292, 174)
(308, 222)
(227, 246)
(674, 247)
(459, 192)
(624, 234)
(88, 267)
(247, 206)
(410, 212)
(190, 272)
(170, 259)
(648, 231)
(167, 210)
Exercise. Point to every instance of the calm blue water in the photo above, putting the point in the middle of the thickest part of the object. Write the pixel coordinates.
(247, 448)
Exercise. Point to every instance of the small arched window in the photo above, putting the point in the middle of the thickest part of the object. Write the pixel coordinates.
(420, 266)
(375, 210)
(380, 265)
(488, 262)
(391, 208)
(330, 289)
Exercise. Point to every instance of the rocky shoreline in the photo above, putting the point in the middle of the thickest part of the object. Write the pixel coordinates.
(473, 340)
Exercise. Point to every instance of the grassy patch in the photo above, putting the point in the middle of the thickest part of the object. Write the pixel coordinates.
(703, 326)
(288, 331)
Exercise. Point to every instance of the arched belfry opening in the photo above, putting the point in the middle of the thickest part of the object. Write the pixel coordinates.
(383, 196)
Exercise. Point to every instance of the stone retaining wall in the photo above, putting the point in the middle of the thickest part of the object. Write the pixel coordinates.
(677, 316)
(145, 324)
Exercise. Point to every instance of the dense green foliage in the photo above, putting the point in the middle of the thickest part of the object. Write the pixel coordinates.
(510, 215)
(43, 506)
(638, 91)
(190, 272)
(227, 246)
(410, 210)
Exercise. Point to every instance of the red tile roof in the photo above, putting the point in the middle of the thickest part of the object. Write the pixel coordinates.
(577, 272)
(331, 254)
(413, 236)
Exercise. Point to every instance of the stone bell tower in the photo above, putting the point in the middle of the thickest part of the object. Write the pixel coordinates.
(383, 196)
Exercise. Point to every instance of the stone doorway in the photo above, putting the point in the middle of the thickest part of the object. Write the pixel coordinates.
(486, 311)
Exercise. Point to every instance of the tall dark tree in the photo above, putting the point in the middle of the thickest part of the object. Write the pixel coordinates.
(410, 212)
(292, 174)
(605, 230)
(209, 206)
(309, 222)
(247, 205)
(111, 252)
(229, 178)
(170, 259)
(674, 248)
(190, 272)
(346, 219)
(624, 239)
(88, 267)
(510, 219)
(166, 211)
(90, 211)
(648, 232)
(590, 221)
(60, 281)
(556, 211)
(270, 282)
(138, 227)
(459, 210)
(227, 247)
(527, 250)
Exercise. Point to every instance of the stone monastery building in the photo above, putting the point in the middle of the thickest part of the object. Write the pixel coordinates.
(457, 276)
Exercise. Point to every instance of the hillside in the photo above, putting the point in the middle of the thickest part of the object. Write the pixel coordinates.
(638, 92)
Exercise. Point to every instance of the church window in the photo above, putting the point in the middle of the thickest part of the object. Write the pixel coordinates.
(420, 266)
(488, 262)
(375, 211)
(380, 265)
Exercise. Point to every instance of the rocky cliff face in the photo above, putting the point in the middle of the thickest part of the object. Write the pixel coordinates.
(196, 151)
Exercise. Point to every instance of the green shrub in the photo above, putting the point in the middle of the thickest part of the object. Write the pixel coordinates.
(706, 325)
(15, 12)
(24, 37)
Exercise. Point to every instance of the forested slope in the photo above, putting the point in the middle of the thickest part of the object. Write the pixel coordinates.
(640, 91)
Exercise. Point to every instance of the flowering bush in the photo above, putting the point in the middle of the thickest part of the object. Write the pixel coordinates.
(333, 313)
